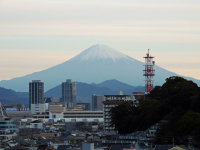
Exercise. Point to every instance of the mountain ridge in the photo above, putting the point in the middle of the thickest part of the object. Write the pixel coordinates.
(123, 68)
(84, 92)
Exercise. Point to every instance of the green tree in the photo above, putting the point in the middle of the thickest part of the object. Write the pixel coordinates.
(177, 102)
(122, 117)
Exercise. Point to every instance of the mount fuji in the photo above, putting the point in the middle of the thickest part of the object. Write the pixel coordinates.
(95, 64)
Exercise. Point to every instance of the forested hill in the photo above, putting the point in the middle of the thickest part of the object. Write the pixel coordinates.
(176, 103)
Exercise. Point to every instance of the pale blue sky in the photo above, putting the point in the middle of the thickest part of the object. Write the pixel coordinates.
(37, 34)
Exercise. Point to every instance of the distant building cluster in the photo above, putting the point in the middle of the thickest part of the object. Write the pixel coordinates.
(62, 123)
(38, 103)
(65, 124)
(48, 117)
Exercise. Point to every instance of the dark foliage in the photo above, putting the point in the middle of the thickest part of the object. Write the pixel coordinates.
(176, 103)
(123, 124)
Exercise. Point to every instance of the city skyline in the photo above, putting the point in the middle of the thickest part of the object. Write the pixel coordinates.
(36, 35)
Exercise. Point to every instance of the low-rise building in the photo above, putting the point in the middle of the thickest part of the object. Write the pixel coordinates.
(37, 124)
(56, 107)
(79, 107)
(83, 116)
(7, 128)
(68, 116)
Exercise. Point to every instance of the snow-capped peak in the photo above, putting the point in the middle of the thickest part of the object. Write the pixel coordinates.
(100, 52)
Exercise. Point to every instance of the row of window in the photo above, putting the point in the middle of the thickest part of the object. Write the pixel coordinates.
(6, 127)
(96, 113)
(83, 117)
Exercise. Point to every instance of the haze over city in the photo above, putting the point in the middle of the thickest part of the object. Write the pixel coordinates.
(38, 34)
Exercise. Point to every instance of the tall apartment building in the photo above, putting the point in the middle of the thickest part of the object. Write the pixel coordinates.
(69, 94)
(97, 103)
(36, 97)
(110, 102)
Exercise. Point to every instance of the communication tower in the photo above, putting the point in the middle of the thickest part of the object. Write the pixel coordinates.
(149, 72)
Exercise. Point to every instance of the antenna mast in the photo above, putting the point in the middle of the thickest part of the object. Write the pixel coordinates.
(149, 72)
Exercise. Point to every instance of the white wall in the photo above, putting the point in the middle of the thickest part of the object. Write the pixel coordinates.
(37, 108)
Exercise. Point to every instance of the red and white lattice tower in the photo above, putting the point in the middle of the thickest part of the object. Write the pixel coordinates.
(149, 72)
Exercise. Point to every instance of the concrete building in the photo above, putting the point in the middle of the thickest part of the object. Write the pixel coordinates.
(87, 106)
(87, 146)
(110, 102)
(56, 115)
(79, 107)
(97, 103)
(69, 116)
(56, 107)
(52, 100)
(69, 94)
(36, 96)
(7, 127)
(83, 116)
(36, 124)
(10, 108)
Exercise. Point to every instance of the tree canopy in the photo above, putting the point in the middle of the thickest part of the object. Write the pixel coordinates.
(177, 102)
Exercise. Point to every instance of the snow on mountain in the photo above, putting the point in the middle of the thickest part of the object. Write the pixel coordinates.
(96, 64)
(101, 52)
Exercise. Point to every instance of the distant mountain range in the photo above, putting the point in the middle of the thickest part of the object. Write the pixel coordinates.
(95, 64)
(84, 92)
(8, 97)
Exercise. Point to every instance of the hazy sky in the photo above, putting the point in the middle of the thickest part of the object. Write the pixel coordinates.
(37, 34)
